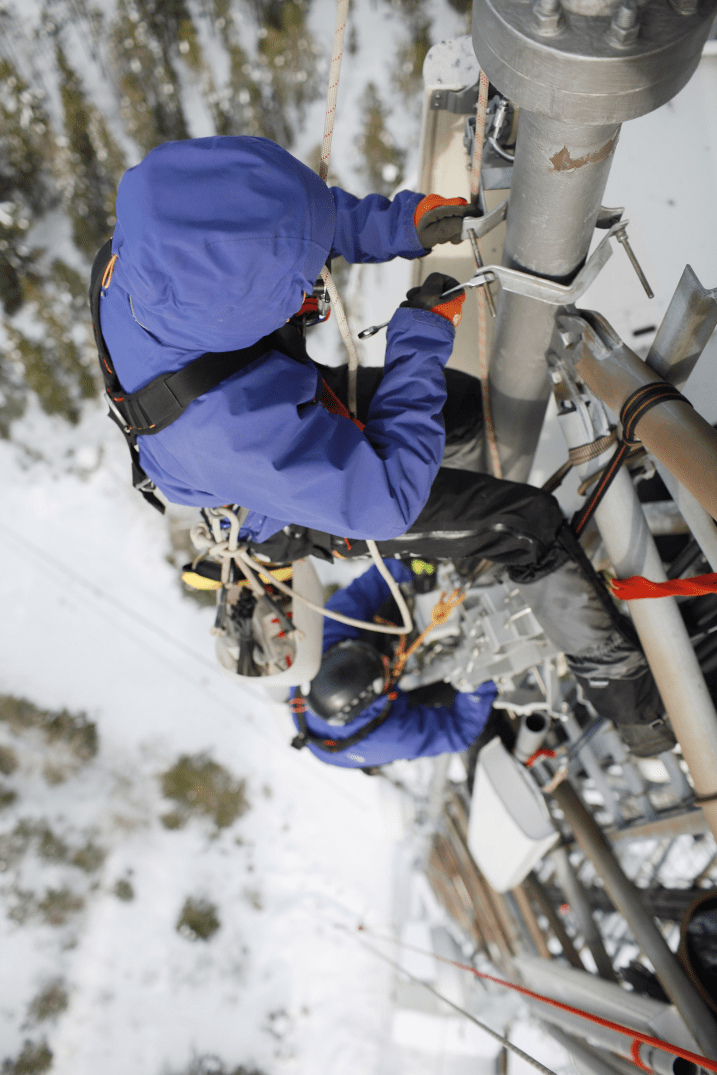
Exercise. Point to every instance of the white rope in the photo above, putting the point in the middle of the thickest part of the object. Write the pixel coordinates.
(214, 541)
(345, 331)
(480, 293)
(342, 11)
(383, 629)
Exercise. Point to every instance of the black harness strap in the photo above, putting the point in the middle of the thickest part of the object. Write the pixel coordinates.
(332, 746)
(633, 409)
(152, 408)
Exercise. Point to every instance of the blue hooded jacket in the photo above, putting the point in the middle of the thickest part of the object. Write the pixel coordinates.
(420, 732)
(216, 239)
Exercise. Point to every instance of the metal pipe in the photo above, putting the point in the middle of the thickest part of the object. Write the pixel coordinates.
(699, 521)
(633, 777)
(535, 889)
(587, 1057)
(628, 901)
(581, 909)
(678, 780)
(532, 732)
(673, 432)
(662, 632)
(657, 1060)
(664, 638)
(594, 770)
(554, 204)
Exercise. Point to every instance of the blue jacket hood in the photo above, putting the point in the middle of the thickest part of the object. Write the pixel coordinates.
(198, 213)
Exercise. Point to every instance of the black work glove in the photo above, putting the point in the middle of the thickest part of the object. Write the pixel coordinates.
(428, 295)
(441, 221)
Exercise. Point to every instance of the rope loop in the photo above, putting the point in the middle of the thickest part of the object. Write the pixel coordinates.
(633, 410)
(643, 400)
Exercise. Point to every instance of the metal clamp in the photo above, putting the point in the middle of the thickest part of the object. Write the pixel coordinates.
(540, 288)
(460, 102)
(478, 226)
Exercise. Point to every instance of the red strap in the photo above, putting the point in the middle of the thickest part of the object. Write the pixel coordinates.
(542, 753)
(310, 305)
(636, 1058)
(637, 587)
(636, 1036)
(331, 402)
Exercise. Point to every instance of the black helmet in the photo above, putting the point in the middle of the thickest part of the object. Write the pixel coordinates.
(350, 677)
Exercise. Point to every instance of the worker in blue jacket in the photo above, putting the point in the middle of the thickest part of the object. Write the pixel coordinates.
(218, 240)
(346, 716)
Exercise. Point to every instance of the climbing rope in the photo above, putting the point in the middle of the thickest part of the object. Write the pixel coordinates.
(214, 541)
(342, 10)
(480, 291)
(439, 615)
(342, 322)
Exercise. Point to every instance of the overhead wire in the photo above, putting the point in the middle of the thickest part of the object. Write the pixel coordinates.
(637, 1036)
(29, 549)
(502, 1038)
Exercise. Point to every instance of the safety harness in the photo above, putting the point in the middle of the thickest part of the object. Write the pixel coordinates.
(151, 409)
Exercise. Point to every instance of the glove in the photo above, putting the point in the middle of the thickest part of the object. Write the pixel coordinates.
(440, 220)
(427, 297)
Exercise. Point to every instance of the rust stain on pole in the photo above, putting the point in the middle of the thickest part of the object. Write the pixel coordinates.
(563, 162)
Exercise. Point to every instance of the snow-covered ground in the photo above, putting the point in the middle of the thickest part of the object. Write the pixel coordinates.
(94, 620)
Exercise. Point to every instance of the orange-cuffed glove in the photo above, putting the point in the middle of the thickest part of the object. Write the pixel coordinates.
(440, 220)
(427, 297)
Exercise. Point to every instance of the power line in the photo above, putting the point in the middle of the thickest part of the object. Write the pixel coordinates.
(28, 548)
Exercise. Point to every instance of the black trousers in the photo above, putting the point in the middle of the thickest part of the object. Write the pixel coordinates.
(466, 515)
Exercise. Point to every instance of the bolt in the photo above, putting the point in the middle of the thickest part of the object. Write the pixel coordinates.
(624, 27)
(626, 15)
(549, 17)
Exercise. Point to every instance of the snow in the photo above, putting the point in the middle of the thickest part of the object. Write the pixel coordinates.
(94, 620)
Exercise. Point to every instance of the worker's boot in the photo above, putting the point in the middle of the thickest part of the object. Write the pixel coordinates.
(608, 665)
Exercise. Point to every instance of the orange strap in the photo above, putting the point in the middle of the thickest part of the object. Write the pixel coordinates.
(432, 201)
(107, 275)
(310, 305)
(331, 402)
(637, 587)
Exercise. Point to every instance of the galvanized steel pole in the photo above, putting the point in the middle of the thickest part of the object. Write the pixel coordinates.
(577, 73)
(627, 899)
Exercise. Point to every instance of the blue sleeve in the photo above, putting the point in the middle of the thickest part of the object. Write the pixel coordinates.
(375, 229)
(430, 730)
(261, 440)
(327, 474)
(360, 600)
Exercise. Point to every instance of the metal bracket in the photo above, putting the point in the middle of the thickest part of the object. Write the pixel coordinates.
(538, 287)
(479, 226)
(460, 102)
